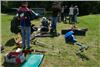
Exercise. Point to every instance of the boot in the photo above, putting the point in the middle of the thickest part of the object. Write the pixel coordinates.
(84, 48)
(51, 31)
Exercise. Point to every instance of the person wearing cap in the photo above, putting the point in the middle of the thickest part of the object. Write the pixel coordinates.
(70, 38)
(25, 22)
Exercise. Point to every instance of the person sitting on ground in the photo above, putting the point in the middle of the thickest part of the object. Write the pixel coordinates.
(44, 25)
(70, 38)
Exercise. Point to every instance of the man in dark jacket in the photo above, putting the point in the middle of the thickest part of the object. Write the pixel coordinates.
(76, 13)
(55, 11)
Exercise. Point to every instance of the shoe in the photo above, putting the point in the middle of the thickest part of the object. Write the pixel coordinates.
(84, 48)
(23, 48)
(51, 31)
(28, 48)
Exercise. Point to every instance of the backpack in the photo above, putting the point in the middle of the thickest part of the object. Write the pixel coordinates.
(15, 25)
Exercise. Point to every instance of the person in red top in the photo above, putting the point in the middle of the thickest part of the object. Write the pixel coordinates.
(24, 15)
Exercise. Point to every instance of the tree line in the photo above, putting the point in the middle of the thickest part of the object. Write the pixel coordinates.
(85, 7)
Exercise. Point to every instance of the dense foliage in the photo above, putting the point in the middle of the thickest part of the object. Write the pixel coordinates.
(86, 7)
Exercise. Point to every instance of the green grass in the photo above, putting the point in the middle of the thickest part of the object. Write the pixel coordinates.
(62, 55)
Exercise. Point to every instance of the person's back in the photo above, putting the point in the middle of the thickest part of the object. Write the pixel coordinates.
(69, 37)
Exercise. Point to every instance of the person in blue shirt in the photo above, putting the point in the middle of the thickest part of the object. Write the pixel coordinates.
(69, 38)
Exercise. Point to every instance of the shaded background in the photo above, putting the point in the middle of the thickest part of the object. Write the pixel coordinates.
(85, 7)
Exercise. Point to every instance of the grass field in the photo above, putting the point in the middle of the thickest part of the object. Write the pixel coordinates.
(62, 55)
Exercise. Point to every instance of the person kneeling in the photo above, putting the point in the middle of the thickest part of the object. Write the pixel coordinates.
(44, 26)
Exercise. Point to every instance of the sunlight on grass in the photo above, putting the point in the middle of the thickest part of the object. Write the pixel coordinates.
(62, 54)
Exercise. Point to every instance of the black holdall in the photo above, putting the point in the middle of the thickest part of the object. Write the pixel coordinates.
(15, 25)
(81, 32)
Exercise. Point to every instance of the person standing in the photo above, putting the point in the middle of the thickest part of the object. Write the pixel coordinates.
(66, 11)
(55, 11)
(71, 14)
(25, 22)
(62, 13)
(59, 13)
(76, 13)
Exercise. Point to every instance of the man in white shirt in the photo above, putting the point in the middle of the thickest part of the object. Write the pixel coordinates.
(71, 14)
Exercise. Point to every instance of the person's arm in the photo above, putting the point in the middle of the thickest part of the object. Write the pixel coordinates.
(70, 11)
(18, 12)
(33, 15)
(77, 11)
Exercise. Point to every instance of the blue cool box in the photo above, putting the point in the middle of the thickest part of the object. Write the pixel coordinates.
(34, 60)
